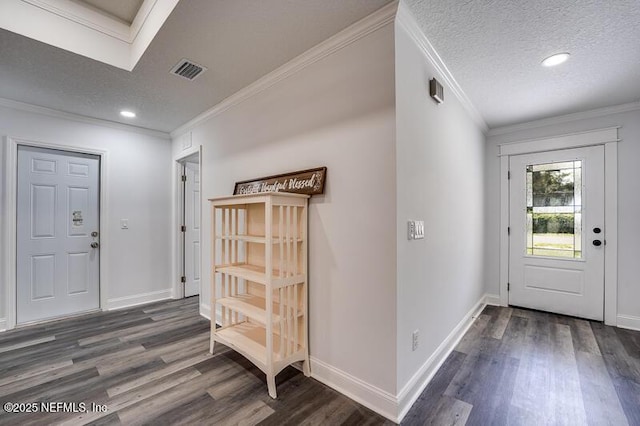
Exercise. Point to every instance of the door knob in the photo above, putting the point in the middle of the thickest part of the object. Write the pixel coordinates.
(95, 245)
(597, 243)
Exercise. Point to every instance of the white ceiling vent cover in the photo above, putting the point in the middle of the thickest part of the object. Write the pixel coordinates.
(187, 69)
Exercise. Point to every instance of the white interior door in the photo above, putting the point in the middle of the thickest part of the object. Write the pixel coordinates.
(57, 211)
(192, 232)
(557, 235)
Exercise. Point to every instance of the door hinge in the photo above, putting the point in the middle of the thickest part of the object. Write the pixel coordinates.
(183, 228)
(508, 230)
(508, 286)
(509, 174)
(184, 178)
(183, 279)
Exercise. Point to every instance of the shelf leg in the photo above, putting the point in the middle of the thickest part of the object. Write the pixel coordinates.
(306, 369)
(271, 385)
(211, 346)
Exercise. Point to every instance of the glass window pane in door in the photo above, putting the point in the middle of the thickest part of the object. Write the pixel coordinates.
(554, 209)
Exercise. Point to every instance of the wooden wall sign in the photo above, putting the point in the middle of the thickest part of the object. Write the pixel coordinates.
(309, 182)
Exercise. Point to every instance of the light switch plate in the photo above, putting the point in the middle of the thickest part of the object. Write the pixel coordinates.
(416, 229)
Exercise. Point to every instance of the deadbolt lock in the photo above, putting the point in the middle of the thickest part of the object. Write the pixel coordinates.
(94, 234)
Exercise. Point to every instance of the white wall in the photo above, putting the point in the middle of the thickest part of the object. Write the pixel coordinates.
(440, 179)
(628, 200)
(339, 113)
(138, 189)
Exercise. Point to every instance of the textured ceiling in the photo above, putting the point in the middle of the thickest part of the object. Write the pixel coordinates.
(494, 48)
(238, 41)
(124, 10)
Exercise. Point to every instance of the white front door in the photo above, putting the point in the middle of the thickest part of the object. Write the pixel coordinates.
(57, 212)
(192, 231)
(557, 235)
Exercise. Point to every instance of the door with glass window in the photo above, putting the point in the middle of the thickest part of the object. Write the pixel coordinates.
(557, 235)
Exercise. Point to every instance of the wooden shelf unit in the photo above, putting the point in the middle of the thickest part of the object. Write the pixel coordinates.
(260, 289)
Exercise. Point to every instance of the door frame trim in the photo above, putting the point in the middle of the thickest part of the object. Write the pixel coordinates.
(608, 137)
(9, 225)
(178, 289)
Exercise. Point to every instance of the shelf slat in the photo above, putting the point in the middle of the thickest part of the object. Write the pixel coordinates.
(246, 272)
(250, 340)
(254, 239)
(257, 275)
(276, 240)
(251, 306)
(246, 238)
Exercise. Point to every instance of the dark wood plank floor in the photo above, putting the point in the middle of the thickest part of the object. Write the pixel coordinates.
(523, 367)
(150, 365)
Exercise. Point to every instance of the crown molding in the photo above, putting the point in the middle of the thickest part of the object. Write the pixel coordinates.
(584, 115)
(141, 17)
(409, 23)
(85, 15)
(22, 106)
(351, 34)
(85, 30)
(98, 21)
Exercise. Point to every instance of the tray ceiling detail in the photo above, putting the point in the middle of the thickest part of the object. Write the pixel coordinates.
(93, 28)
(125, 10)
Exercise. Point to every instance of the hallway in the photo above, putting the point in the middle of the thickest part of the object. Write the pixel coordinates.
(524, 367)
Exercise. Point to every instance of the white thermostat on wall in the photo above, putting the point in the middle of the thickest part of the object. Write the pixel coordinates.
(416, 229)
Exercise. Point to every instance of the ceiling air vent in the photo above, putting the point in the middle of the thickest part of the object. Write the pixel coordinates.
(187, 69)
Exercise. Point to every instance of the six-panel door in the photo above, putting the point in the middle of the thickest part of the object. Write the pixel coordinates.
(57, 212)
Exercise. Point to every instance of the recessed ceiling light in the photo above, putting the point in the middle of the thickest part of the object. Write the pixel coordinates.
(556, 59)
(128, 114)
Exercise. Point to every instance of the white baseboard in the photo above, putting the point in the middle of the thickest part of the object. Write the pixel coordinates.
(139, 299)
(492, 299)
(628, 321)
(3, 324)
(205, 311)
(412, 390)
(370, 396)
(382, 402)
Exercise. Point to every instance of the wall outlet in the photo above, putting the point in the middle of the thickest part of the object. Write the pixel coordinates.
(414, 340)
